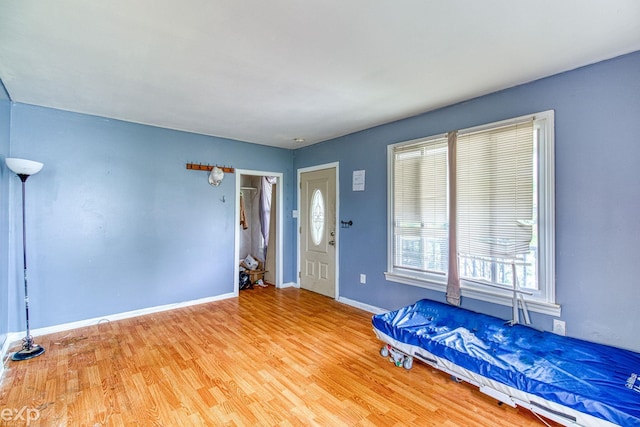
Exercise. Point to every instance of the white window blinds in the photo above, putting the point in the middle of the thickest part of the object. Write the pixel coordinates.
(420, 205)
(495, 191)
(498, 211)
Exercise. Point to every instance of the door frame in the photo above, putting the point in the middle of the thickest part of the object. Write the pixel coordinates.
(300, 171)
(279, 229)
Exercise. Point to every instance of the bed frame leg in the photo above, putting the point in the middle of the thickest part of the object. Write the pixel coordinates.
(397, 357)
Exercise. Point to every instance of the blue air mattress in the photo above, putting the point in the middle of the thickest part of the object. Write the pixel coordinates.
(589, 378)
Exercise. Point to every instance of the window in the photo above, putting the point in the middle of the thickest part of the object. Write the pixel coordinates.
(317, 217)
(503, 199)
(420, 206)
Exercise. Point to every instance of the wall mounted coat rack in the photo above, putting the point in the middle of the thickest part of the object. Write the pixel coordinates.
(208, 168)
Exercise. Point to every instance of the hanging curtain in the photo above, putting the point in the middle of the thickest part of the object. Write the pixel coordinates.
(265, 208)
(453, 276)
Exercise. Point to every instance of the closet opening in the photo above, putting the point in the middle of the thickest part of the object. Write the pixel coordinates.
(259, 228)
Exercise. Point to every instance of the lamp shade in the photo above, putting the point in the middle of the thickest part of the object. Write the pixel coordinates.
(23, 166)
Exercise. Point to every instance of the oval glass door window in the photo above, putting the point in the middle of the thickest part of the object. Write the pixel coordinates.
(317, 217)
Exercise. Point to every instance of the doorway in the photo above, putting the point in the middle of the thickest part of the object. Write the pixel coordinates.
(258, 224)
(318, 235)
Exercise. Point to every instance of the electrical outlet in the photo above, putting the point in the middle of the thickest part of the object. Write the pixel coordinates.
(363, 278)
(559, 327)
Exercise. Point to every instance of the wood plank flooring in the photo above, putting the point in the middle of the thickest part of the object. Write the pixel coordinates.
(272, 357)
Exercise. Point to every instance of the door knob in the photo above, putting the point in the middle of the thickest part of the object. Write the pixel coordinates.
(332, 242)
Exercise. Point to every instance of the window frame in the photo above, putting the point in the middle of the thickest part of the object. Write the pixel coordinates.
(541, 301)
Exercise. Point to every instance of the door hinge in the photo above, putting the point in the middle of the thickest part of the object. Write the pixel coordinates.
(299, 275)
(300, 230)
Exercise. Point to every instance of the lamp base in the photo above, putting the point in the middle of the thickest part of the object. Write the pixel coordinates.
(25, 354)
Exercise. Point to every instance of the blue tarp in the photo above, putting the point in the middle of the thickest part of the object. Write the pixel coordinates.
(591, 378)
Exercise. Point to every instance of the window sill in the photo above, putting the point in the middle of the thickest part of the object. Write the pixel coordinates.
(491, 295)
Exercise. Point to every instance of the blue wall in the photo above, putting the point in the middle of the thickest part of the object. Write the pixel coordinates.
(116, 222)
(597, 196)
(5, 126)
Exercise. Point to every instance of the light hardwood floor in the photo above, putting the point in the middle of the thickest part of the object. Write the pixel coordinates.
(285, 357)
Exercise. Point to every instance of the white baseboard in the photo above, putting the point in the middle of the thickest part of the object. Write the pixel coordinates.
(10, 340)
(362, 306)
(3, 353)
(12, 337)
(289, 285)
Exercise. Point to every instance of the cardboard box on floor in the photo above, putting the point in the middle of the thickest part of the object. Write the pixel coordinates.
(256, 274)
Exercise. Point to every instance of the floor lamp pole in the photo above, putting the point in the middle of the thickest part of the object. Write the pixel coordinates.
(24, 169)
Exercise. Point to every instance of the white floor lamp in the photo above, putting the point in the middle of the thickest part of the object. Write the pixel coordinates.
(24, 169)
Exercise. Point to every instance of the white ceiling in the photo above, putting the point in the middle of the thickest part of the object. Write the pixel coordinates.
(271, 71)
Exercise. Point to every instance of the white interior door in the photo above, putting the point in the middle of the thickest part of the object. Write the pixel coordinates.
(318, 231)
